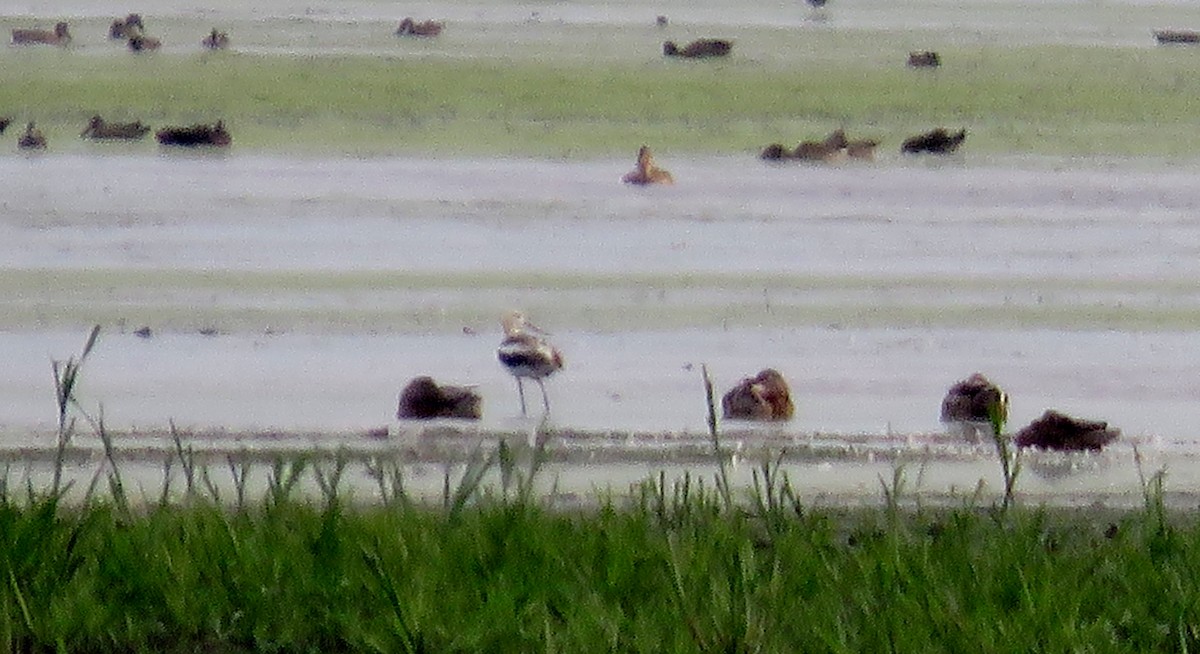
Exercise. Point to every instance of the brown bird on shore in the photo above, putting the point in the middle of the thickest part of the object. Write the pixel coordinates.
(646, 172)
(1058, 431)
(828, 150)
(99, 129)
(32, 139)
(139, 42)
(215, 40)
(699, 49)
(60, 36)
(937, 141)
(425, 399)
(527, 355)
(924, 59)
(199, 134)
(765, 396)
(410, 27)
(127, 27)
(969, 404)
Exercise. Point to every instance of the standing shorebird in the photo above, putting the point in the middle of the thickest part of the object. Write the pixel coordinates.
(526, 354)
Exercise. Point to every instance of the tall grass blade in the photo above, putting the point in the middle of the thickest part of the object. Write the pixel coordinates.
(714, 433)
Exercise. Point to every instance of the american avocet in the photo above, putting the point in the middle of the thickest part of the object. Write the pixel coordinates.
(968, 406)
(1058, 431)
(424, 399)
(526, 354)
(763, 397)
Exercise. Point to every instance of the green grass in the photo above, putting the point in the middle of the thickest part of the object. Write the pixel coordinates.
(666, 569)
(1054, 100)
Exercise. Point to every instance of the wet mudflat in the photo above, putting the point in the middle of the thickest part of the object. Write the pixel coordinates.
(296, 296)
(289, 298)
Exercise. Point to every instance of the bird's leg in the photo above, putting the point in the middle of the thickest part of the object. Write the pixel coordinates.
(521, 391)
(545, 400)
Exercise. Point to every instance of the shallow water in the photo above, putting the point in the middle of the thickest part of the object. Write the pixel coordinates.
(325, 283)
(871, 286)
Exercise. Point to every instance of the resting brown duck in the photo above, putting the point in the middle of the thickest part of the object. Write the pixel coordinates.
(425, 399)
(924, 59)
(409, 27)
(863, 149)
(99, 129)
(775, 152)
(60, 36)
(765, 396)
(127, 27)
(646, 172)
(1058, 431)
(32, 139)
(938, 141)
(1175, 37)
(195, 135)
(828, 150)
(141, 43)
(968, 406)
(699, 49)
(215, 40)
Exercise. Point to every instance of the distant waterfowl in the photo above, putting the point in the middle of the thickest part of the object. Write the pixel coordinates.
(141, 43)
(425, 399)
(195, 135)
(98, 129)
(661, 21)
(1175, 37)
(127, 27)
(817, 3)
(59, 36)
(1058, 431)
(763, 397)
(938, 141)
(215, 40)
(924, 59)
(828, 150)
(834, 147)
(32, 139)
(968, 406)
(863, 149)
(527, 355)
(646, 172)
(699, 49)
(775, 152)
(409, 27)
(4, 124)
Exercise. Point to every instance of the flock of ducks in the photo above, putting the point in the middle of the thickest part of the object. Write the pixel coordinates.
(833, 148)
(969, 409)
(98, 129)
(130, 29)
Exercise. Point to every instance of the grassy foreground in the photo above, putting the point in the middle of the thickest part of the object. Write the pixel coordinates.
(669, 569)
(1053, 100)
